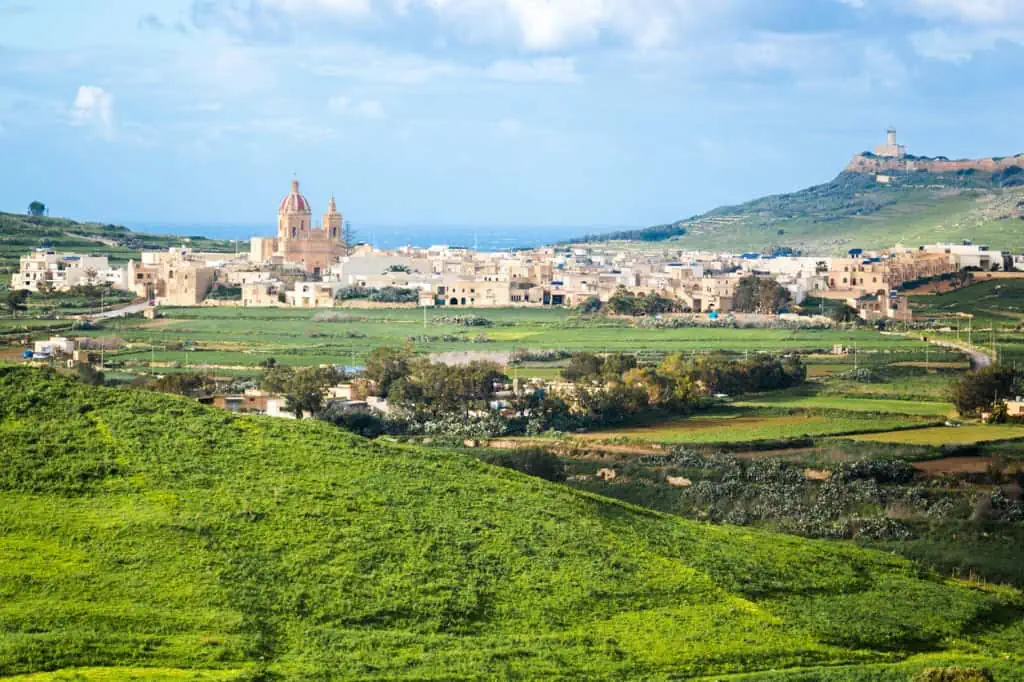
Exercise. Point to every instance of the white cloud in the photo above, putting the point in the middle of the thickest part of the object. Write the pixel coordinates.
(545, 25)
(960, 46)
(972, 11)
(536, 25)
(345, 106)
(94, 107)
(349, 7)
(549, 70)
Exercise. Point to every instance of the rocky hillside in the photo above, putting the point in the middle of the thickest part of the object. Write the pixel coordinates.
(875, 203)
(1003, 168)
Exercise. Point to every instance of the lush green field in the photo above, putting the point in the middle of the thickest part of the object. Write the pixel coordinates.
(837, 402)
(944, 435)
(143, 532)
(1001, 300)
(248, 336)
(129, 675)
(741, 426)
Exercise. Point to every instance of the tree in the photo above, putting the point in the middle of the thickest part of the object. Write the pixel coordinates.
(590, 306)
(348, 235)
(17, 301)
(87, 374)
(386, 365)
(583, 366)
(191, 385)
(844, 313)
(760, 295)
(305, 391)
(303, 388)
(979, 391)
(37, 209)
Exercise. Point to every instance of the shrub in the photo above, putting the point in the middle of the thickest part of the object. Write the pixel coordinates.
(954, 674)
(531, 461)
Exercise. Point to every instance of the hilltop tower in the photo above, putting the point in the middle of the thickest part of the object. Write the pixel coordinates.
(891, 150)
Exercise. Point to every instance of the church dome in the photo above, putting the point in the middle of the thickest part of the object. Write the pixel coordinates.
(294, 202)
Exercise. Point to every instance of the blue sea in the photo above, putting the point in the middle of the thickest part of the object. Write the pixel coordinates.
(486, 238)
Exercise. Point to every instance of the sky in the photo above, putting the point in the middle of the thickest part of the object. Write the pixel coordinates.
(484, 112)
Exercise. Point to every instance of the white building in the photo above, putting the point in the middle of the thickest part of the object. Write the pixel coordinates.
(45, 269)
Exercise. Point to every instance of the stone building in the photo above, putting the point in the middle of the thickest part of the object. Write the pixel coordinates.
(44, 269)
(173, 277)
(891, 150)
(315, 247)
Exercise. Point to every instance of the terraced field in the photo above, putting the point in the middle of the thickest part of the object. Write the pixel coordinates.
(960, 435)
(750, 425)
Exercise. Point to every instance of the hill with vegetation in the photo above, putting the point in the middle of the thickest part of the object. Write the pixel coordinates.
(148, 537)
(19, 234)
(864, 210)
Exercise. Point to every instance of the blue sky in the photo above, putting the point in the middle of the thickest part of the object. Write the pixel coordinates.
(487, 112)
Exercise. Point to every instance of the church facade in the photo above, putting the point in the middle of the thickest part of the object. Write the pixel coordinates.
(298, 240)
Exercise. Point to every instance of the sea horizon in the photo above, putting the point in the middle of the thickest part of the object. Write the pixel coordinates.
(482, 237)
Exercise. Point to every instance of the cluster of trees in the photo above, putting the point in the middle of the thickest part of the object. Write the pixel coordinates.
(983, 390)
(304, 388)
(418, 384)
(186, 384)
(760, 295)
(382, 295)
(625, 302)
(684, 376)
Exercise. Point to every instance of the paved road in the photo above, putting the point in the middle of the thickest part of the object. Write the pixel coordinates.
(978, 359)
(119, 312)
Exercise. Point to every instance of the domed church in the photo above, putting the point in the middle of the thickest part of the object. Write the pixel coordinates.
(298, 241)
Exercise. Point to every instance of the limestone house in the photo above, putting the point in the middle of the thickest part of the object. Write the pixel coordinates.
(174, 277)
(46, 269)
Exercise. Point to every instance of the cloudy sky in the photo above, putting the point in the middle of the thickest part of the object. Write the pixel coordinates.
(509, 112)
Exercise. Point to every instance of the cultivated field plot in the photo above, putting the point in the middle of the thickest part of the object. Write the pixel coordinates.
(835, 402)
(750, 427)
(245, 337)
(945, 435)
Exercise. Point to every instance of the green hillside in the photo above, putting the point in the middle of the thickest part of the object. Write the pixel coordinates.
(856, 211)
(148, 537)
(19, 234)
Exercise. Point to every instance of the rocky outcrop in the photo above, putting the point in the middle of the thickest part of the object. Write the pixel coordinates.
(870, 163)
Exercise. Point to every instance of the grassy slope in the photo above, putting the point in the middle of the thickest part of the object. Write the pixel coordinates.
(148, 532)
(19, 234)
(854, 211)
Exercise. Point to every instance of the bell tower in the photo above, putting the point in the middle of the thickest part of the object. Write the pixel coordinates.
(333, 222)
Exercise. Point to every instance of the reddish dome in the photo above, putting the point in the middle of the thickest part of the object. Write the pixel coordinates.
(294, 202)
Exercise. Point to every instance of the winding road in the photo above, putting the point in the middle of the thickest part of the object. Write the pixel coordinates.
(119, 312)
(978, 359)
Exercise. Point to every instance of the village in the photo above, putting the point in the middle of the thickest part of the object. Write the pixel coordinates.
(312, 266)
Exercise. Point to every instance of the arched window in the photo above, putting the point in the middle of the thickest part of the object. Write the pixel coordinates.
(293, 232)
